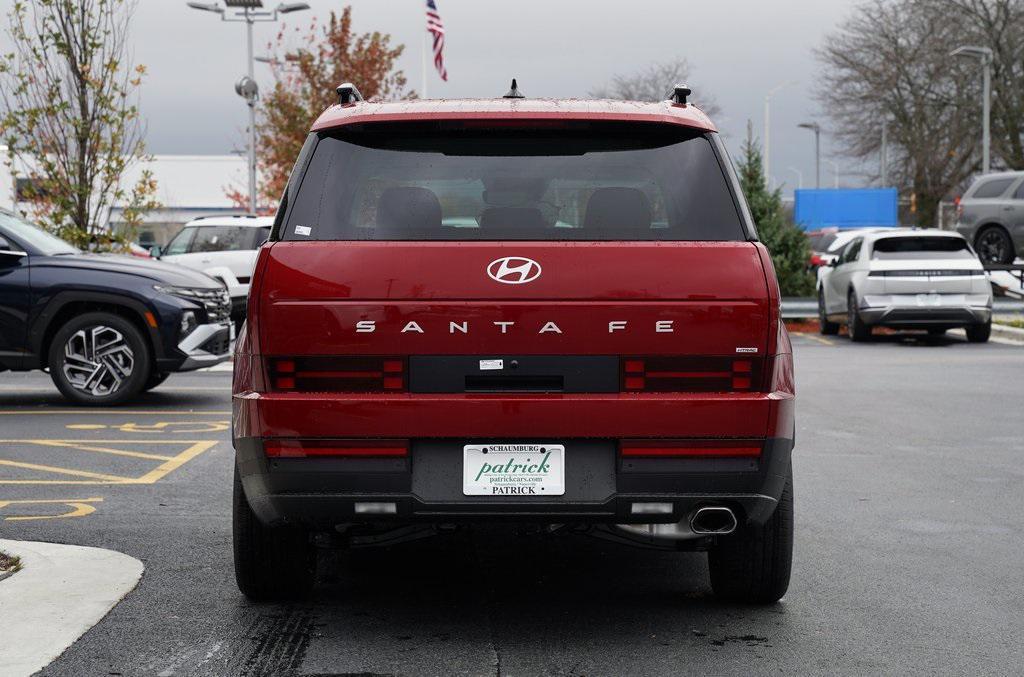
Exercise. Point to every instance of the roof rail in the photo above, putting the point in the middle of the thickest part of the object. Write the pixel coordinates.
(679, 94)
(348, 93)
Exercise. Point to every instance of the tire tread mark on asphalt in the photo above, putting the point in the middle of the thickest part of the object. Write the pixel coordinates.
(281, 641)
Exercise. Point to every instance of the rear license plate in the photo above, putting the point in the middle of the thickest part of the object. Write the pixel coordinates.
(513, 470)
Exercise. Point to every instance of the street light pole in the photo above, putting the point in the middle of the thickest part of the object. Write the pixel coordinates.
(816, 128)
(985, 54)
(252, 115)
(247, 87)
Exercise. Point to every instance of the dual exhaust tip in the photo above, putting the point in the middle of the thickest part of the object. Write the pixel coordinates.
(713, 520)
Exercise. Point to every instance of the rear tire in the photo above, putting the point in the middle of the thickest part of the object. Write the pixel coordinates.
(753, 564)
(859, 332)
(271, 564)
(994, 245)
(99, 359)
(824, 326)
(979, 333)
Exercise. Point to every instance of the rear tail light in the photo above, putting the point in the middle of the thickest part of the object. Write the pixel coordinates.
(338, 374)
(335, 448)
(690, 374)
(690, 448)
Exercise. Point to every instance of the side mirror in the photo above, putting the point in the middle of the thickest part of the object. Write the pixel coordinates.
(9, 253)
(834, 262)
(154, 251)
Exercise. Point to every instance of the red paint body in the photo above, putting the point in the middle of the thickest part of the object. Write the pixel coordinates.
(307, 298)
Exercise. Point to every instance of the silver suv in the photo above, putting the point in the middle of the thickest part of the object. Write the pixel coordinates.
(991, 216)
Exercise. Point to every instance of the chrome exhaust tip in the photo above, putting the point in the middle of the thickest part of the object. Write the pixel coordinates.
(713, 520)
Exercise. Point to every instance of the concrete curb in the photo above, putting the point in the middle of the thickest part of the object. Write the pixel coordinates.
(60, 592)
(1006, 332)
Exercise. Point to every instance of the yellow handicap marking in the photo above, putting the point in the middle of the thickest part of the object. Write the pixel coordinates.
(79, 507)
(169, 462)
(185, 427)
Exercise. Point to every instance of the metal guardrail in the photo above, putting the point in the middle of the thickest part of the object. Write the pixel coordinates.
(794, 307)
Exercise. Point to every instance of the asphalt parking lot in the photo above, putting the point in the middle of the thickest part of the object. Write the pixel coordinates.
(909, 487)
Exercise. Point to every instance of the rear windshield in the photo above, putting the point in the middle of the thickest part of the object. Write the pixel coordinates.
(820, 242)
(591, 182)
(921, 248)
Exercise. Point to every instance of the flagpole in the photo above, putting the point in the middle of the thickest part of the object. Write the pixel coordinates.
(424, 51)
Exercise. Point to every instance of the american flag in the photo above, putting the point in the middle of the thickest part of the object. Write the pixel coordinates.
(436, 28)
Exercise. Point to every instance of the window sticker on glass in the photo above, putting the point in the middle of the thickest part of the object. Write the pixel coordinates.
(303, 230)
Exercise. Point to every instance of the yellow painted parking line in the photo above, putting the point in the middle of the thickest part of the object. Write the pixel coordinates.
(63, 471)
(100, 450)
(79, 507)
(176, 462)
(190, 427)
(170, 463)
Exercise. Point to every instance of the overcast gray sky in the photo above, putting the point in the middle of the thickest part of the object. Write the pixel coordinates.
(738, 50)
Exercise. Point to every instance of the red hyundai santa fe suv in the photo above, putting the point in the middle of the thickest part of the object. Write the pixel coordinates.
(553, 312)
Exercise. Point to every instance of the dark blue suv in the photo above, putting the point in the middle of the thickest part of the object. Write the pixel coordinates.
(106, 327)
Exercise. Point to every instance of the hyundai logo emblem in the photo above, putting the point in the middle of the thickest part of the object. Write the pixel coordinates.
(513, 270)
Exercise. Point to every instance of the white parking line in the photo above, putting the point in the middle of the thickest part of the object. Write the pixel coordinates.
(61, 591)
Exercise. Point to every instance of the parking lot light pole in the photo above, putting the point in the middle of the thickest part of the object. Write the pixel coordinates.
(249, 11)
(816, 128)
(985, 54)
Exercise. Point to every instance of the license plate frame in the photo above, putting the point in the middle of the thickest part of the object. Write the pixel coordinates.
(513, 469)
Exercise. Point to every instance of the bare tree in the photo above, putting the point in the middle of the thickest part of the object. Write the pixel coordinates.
(998, 25)
(70, 115)
(655, 83)
(890, 61)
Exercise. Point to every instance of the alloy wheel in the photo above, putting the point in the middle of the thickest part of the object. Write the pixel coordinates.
(992, 246)
(97, 360)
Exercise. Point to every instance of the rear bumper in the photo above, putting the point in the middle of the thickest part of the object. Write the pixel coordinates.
(909, 317)
(601, 487)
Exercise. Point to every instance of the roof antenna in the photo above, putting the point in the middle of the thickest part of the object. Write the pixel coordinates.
(514, 93)
(679, 94)
(348, 93)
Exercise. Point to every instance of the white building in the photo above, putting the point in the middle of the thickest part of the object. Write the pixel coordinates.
(187, 186)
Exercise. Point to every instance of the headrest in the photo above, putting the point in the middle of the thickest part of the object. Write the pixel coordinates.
(408, 208)
(618, 208)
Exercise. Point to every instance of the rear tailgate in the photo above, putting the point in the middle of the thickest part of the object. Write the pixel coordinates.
(617, 299)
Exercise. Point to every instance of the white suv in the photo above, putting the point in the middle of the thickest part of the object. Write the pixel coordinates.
(223, 247)
(906, 279)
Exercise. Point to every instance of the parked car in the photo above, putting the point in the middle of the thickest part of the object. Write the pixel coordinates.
(907, 279)
(223, 247)
(107, 327)
(991, 216)
(834, 245)
(553, 312)
(826, 242)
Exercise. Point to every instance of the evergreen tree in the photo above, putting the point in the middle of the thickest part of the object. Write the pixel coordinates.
(786, 243)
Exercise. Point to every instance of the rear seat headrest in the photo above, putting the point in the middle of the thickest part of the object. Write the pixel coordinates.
(408, 208)
(618, 208)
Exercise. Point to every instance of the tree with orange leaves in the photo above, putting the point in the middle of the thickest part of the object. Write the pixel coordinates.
(305, 78)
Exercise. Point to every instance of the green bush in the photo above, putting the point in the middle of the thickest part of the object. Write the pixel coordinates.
(787, 244)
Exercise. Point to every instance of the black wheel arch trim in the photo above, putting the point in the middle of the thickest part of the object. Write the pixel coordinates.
(40, 326)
